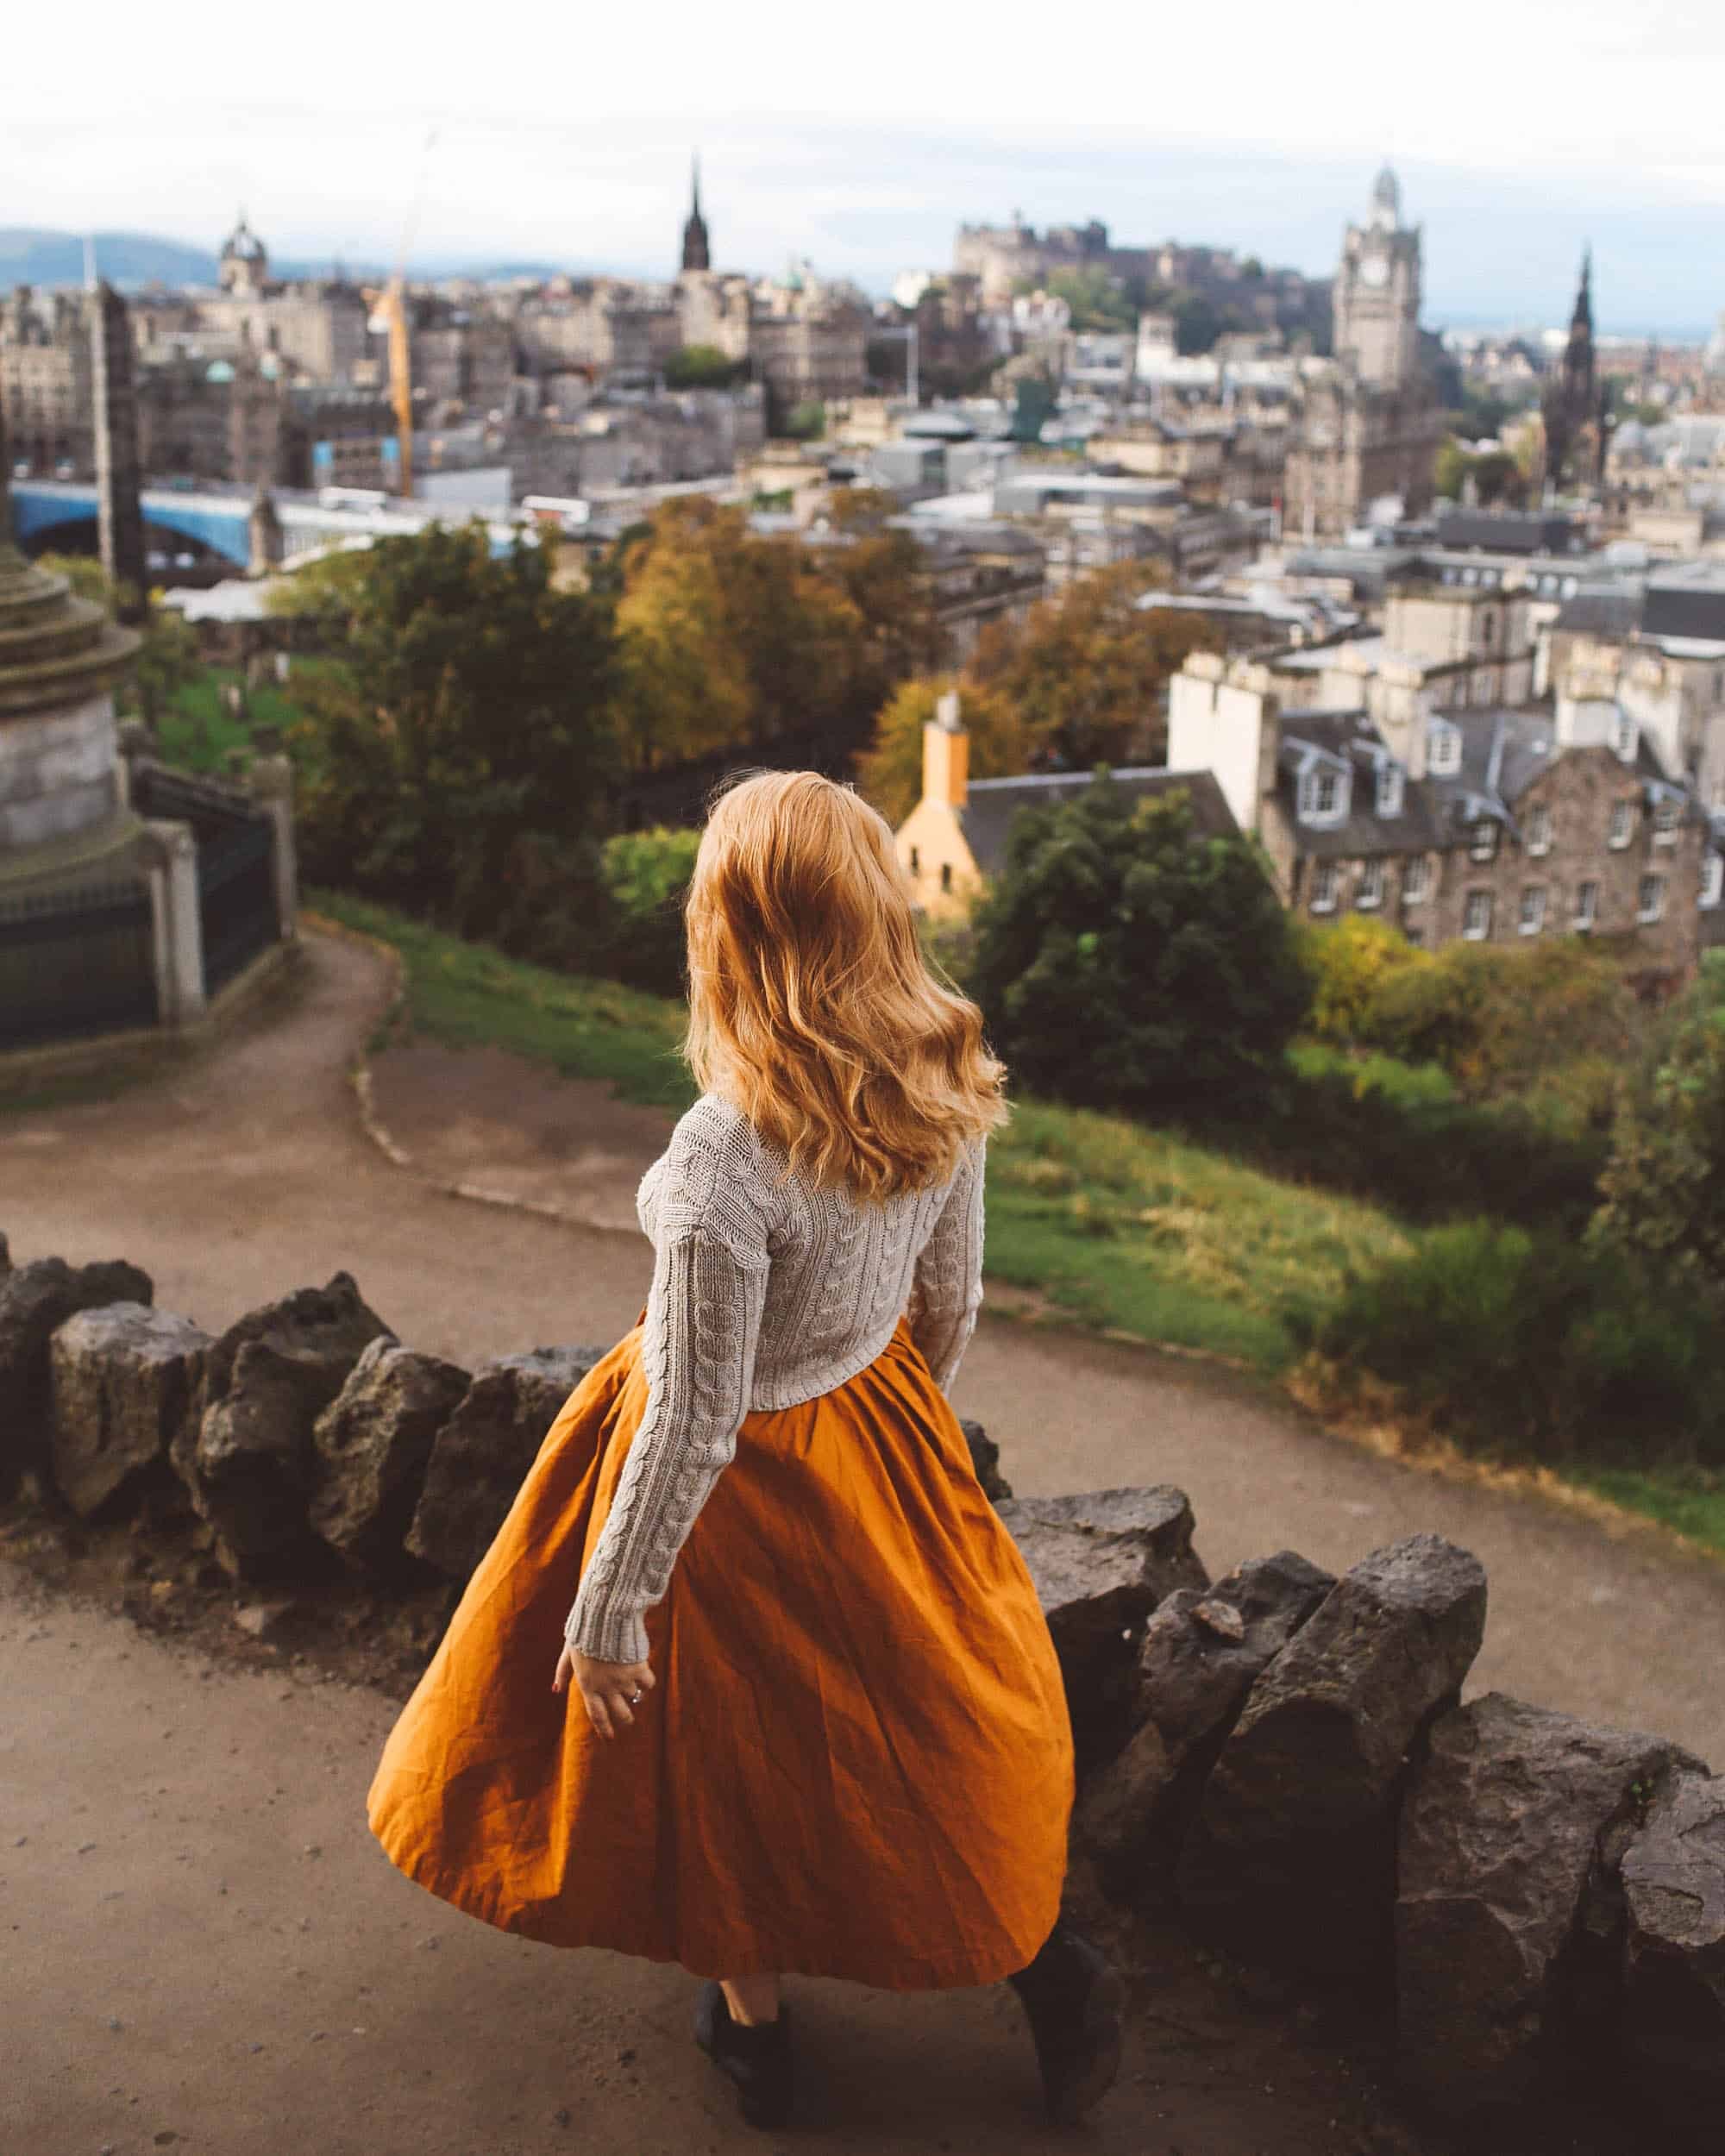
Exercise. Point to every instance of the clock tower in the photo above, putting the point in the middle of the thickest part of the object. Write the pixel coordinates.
(1377, 300)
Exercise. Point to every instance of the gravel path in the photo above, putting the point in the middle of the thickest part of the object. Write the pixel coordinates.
(250, 1173)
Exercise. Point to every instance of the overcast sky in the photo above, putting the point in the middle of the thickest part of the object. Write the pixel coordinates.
(861, 135)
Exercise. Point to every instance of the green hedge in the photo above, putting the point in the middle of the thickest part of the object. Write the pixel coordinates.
(1536, 1347)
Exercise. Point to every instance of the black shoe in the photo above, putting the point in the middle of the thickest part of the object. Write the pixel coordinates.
(1073, 1998)
(756, 2057)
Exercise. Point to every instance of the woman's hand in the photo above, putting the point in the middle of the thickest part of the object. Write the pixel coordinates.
(608, 1690)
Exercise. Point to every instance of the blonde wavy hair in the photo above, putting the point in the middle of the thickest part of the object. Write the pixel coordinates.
(812, 1007)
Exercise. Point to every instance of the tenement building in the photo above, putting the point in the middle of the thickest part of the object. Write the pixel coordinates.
(1496, 826)
(1369, 423)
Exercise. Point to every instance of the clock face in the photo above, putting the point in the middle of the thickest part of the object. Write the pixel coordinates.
(1374, 270)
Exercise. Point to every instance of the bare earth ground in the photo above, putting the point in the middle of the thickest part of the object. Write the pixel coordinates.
(142, 1774)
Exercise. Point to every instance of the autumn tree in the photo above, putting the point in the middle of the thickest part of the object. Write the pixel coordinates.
(733, 640)
(890, 771)
(1087, 669)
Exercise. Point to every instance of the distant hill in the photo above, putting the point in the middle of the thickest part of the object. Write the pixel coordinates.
(32, 255)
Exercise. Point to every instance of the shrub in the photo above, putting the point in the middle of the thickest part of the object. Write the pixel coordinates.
(1351, 961)
(1535, 1346)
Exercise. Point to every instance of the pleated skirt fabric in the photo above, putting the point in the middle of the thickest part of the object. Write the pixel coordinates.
(857, 1761)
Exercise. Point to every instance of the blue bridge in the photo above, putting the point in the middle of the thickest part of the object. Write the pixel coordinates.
(50, 515)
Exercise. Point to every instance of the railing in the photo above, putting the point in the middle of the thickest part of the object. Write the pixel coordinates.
(76, 962)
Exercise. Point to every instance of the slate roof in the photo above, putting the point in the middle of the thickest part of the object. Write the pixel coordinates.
(1502, 753)
(1602, 610)
(992, 804)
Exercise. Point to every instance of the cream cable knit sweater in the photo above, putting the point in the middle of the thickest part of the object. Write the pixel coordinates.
(761, 1297)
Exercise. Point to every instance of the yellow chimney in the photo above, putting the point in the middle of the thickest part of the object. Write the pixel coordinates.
(946, 754)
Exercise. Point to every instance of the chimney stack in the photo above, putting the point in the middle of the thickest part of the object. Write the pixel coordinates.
(945, 754)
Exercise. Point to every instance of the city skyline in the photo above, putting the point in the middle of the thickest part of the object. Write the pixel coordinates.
(1533, 131)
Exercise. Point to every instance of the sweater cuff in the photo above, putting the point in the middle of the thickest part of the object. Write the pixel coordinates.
(618, 1635)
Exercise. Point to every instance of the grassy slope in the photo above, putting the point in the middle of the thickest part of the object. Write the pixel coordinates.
(1110, 1221)
(196, 733)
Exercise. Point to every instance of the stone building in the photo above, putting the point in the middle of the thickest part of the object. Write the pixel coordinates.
(954, 838)
(1490, 825)
(47, 397)
(1369, 425)
(319, 326)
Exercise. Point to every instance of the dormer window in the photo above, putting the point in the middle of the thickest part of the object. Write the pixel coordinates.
(1323, 797)
(1390, 778)
(1623, 735)
(1443, 747)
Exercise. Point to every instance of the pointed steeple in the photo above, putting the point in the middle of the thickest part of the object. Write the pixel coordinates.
(697, 254)
(1583, 317)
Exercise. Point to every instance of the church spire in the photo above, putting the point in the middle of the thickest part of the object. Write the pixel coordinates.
(697, 253)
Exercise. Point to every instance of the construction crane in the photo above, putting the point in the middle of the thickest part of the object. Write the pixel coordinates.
(389, 318)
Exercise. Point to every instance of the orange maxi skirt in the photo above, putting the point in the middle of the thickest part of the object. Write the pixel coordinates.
(857, 1761)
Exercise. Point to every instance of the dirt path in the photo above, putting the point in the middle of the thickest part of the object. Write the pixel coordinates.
(248, 1174)
(206, 1951)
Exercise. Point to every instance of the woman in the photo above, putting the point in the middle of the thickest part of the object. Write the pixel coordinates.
(821, 1724)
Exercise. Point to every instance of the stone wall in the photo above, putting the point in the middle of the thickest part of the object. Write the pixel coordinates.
(1280, 1759)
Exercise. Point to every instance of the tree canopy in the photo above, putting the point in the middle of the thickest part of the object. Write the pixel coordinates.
(460, 751)
(1088, 668)
(1123, 962)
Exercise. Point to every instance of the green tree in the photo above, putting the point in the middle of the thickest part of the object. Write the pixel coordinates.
(1123, 962)
(701, 367)
(806, 421)
(647, 876)
(1095, 299)
(457, 759)
(1663, 1191)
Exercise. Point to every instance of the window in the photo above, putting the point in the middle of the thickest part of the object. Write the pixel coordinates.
(1443, 747)
(1539, 828)
(946, 875)
(1650, 898)
(1586, 905)
(1390, 778)
(1712, 880)
(1622, 823)
(1475, 920)
(1623, 735)
(1414, 935)
(1416, 880)
(1533, 908)
(1485, 842)
(1323, 797)
(1667, 815)
(1324, 886)
(1370, 891)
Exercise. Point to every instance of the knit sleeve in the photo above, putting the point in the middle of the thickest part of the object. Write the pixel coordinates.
(948, 1293)
(697, 1346)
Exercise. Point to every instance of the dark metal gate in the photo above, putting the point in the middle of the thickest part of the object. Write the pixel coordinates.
(235, 896)
(236, 906)
(75, 962)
